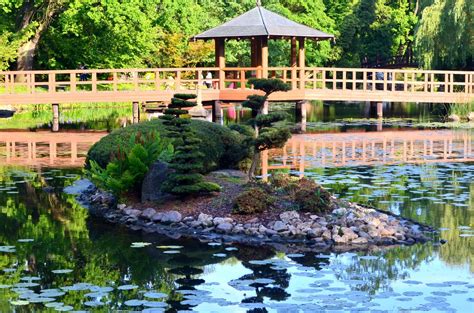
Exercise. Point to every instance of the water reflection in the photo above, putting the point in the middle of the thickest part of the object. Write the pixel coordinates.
(370, 148)
(46, 148)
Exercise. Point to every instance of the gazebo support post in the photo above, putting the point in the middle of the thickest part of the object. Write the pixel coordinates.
(302, 61)
(264, 55)
(293, 63)
(220, 60)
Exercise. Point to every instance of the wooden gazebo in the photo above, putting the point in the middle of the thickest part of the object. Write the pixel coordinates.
(259, 25)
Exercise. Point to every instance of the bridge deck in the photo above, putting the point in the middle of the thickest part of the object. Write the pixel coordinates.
(231, 84)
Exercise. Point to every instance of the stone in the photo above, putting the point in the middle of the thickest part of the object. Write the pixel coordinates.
(157, 217)
(171, 217)
(454, 118)
(224, 227)
(326, 234)
(121, 206)
(151, 186)
(148, 213)
(289, 215)
(132, 212)
(360, 241)
(205, 220)
(279, 226)
(349, 233)
(470, 117)
(340, 211)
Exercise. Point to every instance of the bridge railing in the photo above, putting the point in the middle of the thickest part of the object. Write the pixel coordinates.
(176, 79)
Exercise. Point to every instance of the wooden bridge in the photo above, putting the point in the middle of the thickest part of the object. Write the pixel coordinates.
(231, 85)
(46, 148)
(370, 148)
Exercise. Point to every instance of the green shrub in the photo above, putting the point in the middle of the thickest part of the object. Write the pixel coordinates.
(308, 195)
(253, 200)
(222, 147)
(187, 163)
(126, 172)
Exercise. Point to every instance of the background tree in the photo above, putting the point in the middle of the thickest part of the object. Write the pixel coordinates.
(445, 35)
(187, 163)
(269, 133)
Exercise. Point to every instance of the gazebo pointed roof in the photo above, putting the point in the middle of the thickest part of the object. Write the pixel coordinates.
(262, 22)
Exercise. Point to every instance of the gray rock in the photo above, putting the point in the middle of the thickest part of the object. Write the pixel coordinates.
(360, 241)
(157, 217)
(224, 227)
(205, 220)
(279, 226)
(470, 117)
(148, 213)
(151, 186)
(121, 206)
(454, 118)
(289, 215)
(171, 217)
(132, 212)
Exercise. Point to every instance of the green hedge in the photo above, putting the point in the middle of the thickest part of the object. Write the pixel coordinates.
(223, 147)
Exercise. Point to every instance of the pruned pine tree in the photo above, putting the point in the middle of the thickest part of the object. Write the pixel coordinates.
(268, 133)
(187, 178)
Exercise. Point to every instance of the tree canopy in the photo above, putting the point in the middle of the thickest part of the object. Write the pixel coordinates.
(60, 34)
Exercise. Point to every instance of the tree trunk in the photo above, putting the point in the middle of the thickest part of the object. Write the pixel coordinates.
(253, 166)
(26, 54)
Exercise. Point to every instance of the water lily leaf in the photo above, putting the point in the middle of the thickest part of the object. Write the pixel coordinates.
(19, 302)
(139, 244)
(155, 295)
(127, 287)
(63, 271)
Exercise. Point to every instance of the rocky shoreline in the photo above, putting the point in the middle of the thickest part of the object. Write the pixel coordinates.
(352, 226)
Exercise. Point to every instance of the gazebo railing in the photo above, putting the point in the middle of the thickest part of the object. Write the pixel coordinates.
(186, 79)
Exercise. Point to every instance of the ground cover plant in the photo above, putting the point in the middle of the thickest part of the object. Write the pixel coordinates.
(129, 166)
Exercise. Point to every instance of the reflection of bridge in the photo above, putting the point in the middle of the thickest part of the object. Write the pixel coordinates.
(371, 148)
(46, 148)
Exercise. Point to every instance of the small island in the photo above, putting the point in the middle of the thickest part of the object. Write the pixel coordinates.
(183, 177)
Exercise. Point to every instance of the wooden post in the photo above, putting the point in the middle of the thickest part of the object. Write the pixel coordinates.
(302, 62)
(293, 63)
(264, 52)
(301, 114)
(254, 52)
(55, 108)
(379, 109)
(217, 112)
(135, 112)
(220, 60)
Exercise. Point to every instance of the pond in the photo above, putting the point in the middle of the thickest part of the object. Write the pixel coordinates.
(54, 257)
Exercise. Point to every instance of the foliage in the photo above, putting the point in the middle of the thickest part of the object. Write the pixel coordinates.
(126, 172)
(304, 193)
(309, 196)
(445, 35)
(222, 147)
(100, 34)
(268, 133)
(253, 200)
(187, 178)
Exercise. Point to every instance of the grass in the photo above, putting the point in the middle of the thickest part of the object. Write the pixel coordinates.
(461, 109)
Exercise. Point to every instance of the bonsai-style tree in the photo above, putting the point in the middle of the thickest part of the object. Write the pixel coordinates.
(268, 133)
(187, 163)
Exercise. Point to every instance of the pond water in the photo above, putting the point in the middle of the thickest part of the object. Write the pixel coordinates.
(54, 257)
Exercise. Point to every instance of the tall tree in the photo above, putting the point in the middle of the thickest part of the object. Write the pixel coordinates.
(31, 18)
(445, 35)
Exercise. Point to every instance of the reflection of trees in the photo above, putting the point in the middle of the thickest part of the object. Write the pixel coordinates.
(395, 263)
(434, 181)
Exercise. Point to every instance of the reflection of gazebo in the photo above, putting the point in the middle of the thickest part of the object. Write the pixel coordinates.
(259, 25)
